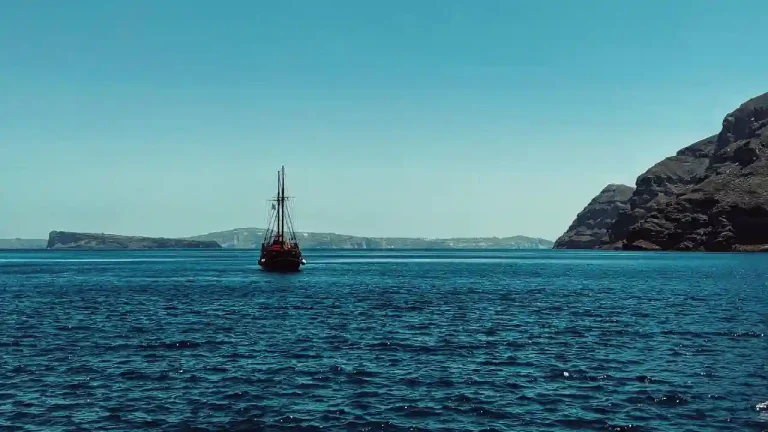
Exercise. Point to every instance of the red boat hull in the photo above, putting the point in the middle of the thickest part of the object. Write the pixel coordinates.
(283, 265)
(285, 260)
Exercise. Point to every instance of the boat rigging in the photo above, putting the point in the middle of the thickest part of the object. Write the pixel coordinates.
(280, 249)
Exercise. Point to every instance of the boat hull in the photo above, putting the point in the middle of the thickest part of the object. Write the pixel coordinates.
(282, 264)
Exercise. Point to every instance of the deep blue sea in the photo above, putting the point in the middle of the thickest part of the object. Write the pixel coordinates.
(384, 340)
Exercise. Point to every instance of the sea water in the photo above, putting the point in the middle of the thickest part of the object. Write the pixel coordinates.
(384, 340)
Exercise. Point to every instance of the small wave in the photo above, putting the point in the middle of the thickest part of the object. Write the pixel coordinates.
(671, 400)
(748, 334)
(507, 361)
(624, 428)
(309, 386)
(305, 356)
(80, 385)
(133, 375)
(412, 411)
(22, 370)
(290, 420)
(364, 373)
(73, 328)
(366, 394)
(239, 395)
(63, 406)
(645, 379)
(485, 412)
(706, 335)
(321, 378)
(248, 424)
(412, 382)
(217, 369)
(23, 404)
(465, 399)
(581, 423)
(178, 345)
(403, 346)
(579, 376)
(365, 425)
(357, 380)
(238, 355)
(195, 378)
(13, 343)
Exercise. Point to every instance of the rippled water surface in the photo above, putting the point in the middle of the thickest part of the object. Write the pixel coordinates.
(518, 340)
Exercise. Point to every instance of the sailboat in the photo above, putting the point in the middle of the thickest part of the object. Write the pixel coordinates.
(280, 249)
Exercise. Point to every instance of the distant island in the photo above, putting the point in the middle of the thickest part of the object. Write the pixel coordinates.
(250, 238)
(73, 240)
(710, 196)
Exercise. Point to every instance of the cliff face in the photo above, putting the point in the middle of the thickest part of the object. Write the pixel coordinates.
(590, 228)
(710, 196)
(73, 240)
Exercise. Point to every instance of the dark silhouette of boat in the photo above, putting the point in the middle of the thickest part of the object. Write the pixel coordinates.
(280, 251)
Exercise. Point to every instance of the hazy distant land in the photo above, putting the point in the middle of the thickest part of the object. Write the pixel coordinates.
(250, 238)
(246, 238)
(74, 240)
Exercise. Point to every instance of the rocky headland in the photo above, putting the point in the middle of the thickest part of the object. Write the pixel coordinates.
(591, 227)
(710, 196)
(74, 240)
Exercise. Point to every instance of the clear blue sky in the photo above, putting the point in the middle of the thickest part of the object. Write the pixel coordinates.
(413, 118)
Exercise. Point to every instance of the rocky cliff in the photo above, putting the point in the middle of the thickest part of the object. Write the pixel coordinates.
(73, 240)
(591, 227)
(710, 196)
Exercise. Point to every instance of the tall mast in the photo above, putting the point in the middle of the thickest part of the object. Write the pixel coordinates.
(282, 204)
(278, 204)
